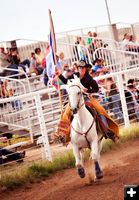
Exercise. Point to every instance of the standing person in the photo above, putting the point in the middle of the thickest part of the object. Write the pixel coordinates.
(115, 102)
(39, 58)
(3, 61)
(33, 64)
(75, 49)
(89, 86)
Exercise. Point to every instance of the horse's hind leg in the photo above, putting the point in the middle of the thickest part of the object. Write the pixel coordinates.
(99, 147)
(95, 151)
(79, 161)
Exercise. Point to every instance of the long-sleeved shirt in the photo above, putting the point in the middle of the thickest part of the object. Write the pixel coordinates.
(87, 81)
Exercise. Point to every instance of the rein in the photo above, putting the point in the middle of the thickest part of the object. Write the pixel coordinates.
(85, 133)
(76, 86)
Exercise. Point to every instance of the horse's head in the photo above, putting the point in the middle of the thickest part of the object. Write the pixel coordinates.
(75, 94)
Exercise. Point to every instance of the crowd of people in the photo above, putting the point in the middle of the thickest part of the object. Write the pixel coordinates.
(87, 46)
(36, 65)
(129, 43)
(107, 93)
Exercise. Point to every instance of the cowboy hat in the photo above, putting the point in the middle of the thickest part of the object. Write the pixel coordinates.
(82, 63)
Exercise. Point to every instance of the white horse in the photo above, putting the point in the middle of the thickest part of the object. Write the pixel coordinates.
(83, 129)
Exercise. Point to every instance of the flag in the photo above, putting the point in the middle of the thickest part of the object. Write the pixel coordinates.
(51, 56)
(50, 62)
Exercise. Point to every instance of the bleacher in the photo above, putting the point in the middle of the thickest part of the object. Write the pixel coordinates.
(38, 109)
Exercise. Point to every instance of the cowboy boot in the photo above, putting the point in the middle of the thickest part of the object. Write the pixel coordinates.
(107, 133)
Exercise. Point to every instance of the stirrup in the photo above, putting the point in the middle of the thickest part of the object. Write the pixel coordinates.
(111, 136)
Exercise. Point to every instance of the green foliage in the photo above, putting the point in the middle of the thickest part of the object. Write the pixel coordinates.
(125, 134)
(130, 132)
(14, 179)
(36, 171)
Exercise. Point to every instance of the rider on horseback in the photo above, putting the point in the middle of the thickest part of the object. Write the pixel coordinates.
(108, 126)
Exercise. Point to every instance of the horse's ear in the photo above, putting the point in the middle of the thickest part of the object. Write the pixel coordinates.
(75, 76)
(69, 82)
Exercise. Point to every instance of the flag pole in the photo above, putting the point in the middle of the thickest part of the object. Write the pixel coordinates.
(54, 51)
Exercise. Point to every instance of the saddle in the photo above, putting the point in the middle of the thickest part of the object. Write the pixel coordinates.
(100, 126)
(62, 133)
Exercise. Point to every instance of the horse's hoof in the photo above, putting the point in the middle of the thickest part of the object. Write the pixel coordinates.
(96, 179)
(81, 172)
(99, 175)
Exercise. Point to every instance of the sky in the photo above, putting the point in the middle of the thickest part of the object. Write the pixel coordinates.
(29, 19)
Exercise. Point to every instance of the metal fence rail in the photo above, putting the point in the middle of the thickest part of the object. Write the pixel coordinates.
(117, 60)
(40, 115)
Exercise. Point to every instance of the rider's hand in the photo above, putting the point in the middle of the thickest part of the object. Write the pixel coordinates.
(57, 71)
(84, 90)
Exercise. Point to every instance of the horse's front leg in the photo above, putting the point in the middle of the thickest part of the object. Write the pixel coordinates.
(95, 156)
(78, 161)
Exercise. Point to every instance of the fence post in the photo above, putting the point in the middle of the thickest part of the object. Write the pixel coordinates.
(123, 100)
(133, 31)
(47, 151)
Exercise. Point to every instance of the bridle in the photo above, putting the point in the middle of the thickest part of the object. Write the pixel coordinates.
(78, 104)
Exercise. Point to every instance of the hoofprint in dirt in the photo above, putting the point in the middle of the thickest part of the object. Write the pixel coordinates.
(120, 166)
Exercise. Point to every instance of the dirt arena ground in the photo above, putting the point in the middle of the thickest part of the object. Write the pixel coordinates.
(120, 166)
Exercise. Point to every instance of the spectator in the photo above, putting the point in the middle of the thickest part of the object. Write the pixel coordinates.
(132, 87)
(33, 65)
(125, 41)
(39, 58)
(98, 67)
(82, 50)
(14, 62)
(92, 73)
(45, 77)
(131, 39)
(4, 91)
(115, 102)
(132, 105)
(75, 49)
(90, 44)
(63, 62)
(132, 45)
(124, 37)
(89, 39)
(3, 61)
